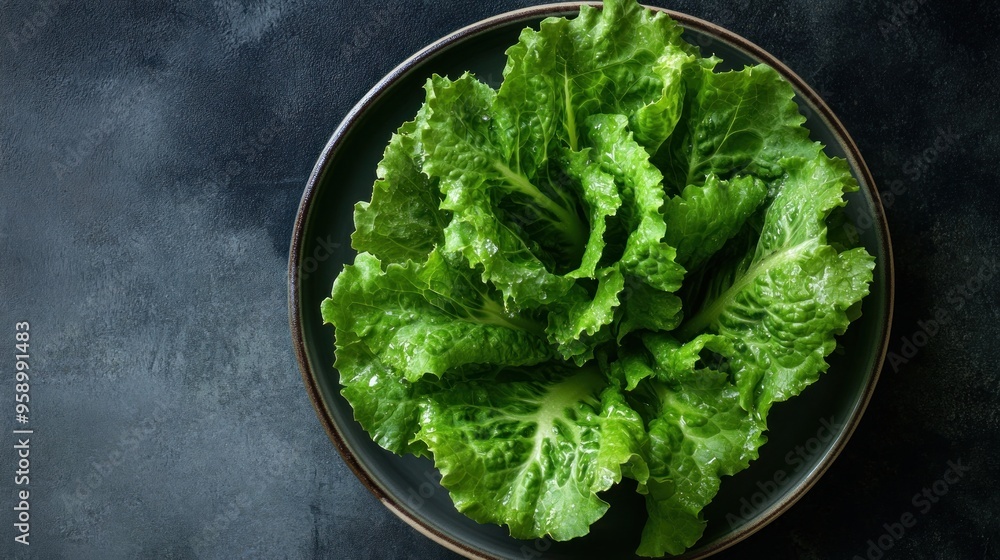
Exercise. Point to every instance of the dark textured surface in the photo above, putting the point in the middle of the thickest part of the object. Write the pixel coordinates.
(152, 157)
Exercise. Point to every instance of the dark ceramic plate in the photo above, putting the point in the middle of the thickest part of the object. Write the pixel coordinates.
(806, 433)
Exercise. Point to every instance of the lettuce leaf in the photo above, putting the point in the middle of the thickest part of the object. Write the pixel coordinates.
(384, 402)
(646, 261)
(533, 454)
(738, 121)
(697, 433)
(704, 217)
(623, 60)
(781, 306)
(429, 318)
(404, 220)
(475, 163)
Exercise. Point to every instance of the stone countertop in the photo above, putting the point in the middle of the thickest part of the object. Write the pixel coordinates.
(152, 157)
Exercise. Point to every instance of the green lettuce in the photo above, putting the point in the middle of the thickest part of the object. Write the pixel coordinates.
(697, 433)
(780, 306)
(533, 453)
(611, 267)
(404, 220)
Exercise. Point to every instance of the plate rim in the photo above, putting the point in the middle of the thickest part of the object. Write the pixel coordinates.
(410, 64)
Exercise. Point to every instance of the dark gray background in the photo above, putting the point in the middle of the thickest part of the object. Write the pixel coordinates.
(152, 156)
